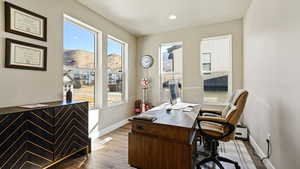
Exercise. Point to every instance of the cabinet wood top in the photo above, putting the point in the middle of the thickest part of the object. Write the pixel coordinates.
(16, 109)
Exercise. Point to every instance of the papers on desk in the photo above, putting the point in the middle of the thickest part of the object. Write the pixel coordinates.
(178, 106)
(188, 109)
(183, 106)
(163, 106)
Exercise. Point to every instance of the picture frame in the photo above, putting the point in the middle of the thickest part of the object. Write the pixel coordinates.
(23, 55)
(23, 22)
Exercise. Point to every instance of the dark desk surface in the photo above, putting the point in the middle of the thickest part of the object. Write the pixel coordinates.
(178, 118)
(15, 109)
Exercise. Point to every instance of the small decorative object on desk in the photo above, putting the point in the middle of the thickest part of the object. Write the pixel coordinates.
(69, 95)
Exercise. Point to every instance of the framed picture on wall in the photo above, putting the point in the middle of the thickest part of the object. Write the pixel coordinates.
(22, 55)
(25, 23)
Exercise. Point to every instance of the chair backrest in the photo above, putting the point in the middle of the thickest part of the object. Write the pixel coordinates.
(240, 102)
(232, 101)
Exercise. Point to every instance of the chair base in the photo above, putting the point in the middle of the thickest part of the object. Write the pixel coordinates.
(217, 160)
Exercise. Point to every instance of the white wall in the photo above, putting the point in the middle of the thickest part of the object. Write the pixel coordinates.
(191, 37)
(271, 62)
(19, 87)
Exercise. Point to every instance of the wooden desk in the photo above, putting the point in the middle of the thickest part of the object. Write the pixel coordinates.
(167, 143)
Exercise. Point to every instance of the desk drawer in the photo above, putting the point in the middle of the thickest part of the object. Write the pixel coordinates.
(168, 132)
(149, 152)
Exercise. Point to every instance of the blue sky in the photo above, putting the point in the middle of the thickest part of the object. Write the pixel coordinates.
(113, 47)
(77, 38)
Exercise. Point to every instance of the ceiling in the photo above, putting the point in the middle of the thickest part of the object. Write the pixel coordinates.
(144, 17)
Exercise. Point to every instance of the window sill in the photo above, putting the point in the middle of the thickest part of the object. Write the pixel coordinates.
(214, 104)
(111, 105)
(94, 110)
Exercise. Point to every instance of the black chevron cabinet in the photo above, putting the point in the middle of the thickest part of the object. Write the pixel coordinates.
(37, 138)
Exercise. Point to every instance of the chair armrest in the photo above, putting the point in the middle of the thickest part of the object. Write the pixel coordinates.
(210, 115)
(216, 120)
(217, 112)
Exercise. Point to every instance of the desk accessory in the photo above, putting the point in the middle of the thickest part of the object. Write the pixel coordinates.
(69, 95)
(145, 117)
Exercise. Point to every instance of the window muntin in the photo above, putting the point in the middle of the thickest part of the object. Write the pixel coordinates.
(171, 66)
(115, 71)
(80, 61)
(216, 57)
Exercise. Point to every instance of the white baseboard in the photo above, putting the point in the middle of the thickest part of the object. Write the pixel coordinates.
(260, 153)
(109, 129)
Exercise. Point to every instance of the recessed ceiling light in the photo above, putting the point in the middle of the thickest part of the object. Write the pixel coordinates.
(172, 17)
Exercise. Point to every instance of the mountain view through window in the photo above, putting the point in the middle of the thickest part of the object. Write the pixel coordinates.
(79, 62)
(115, 74)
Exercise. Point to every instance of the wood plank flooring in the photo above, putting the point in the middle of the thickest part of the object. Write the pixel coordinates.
(113, 154)
(258, 163)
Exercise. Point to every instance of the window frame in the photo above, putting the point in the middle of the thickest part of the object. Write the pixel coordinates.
(97, 57)
(124, 51)
(230, 77)
(161, 66)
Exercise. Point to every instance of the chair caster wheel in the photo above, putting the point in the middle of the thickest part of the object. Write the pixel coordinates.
(237, 167)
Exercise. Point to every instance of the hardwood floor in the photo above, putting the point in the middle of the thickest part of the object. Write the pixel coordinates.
(114, 154)
(258, 163)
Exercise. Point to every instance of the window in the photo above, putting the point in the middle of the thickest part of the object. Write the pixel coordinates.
(216, 57)
(80, 52)
(115, 71)
(171, 66)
